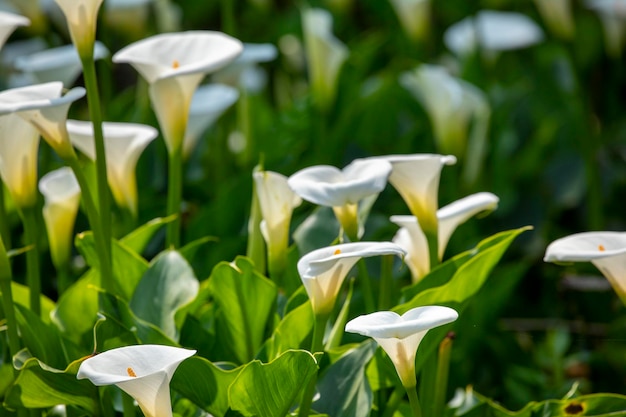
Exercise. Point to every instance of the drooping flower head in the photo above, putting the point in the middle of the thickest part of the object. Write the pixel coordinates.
(344, 189)
(45, 107)
(142, 371)
(82, 17)
(606, 250)
(411, 237)
(123, 145)
(61, 194)
(400, 336)
(323, 270)
(174, 64)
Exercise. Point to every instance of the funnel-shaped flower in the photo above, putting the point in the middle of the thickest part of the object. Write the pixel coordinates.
(244, 72)
(606, 250)
(414, 16)
(143, 372)
(452, 105)
(81, 16)
(19, 144)
(558, 16)
(492, 31)
(323, 270)
(277, 202)
(612, 13)
(400, 336)
(56, 64)
(174, 64)
(209, 102)
(123, 145)
(342, 189)
(62, 197)
(412, 238)
(325, 55)
(44, 106)
(8, 23)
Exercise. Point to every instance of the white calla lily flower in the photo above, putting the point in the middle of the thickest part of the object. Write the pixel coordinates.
(44, 106)
(612, 14)
(342, 189)
(143, 371)
(123, 145)
(82, 17)
(19, 146)
(492, 31)
(61, 194)
(605, 250)
(400, 336)
(411, 237)
(8, 23)
(56, 64)
(277, 202)
(325, 55)
(558, 16)
(244, 71)
(414, 16)
(174, 64)
(208, 104)
(323, 270)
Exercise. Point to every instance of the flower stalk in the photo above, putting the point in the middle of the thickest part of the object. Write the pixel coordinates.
(443, 368)
(7, 302)
(29, 219)
(317, 346)
(174, 196)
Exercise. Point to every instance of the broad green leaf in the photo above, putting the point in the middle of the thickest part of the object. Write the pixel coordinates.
(166, 286)
(246, 300)
(291, 332)
(77, 307)
(190, 249)
(21, 296)
(40, 386)
(138, 239)
(128, 266)
(204, 383)
(344, 389)
(269, 390)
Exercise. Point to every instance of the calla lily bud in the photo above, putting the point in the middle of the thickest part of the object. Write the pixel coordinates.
(44, 106)
(174, 64)
(143, 371)
(606, 250)
(344, 189)
(323, 270)
(400, 336)
(325, 55)
(19, 146)
(82, 17)
(558, 16)
(61, 194)
(414, 16)
(492, 31)
(123, 145)
(411, 237)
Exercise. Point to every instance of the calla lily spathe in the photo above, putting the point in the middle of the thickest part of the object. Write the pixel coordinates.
(56, 64)
(8, 23)
(174, 64)
(414, 16)
(142, 371)
(606, 250)
(44, 106)
(123, 145)
(277, 202)
(325, 55)
(81, 16)
(400, 336)
(323, 270)
(19, 145)
(493, 31)
(209, 102)
(412, 238)
(61, 194)
(342, 189)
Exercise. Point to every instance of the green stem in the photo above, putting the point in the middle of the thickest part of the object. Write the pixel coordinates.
(386, 283)
(174, 197)
(64, 278)
(95, 114)
(5, 233)
(414, 401)
(228, 16)
(256, 245)
(128, 405)
(433, 248)
(366, 287)
(443, 368)
(102, 246)
(7, 302)
(394, 401)
(317, 345)
(29, 219)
